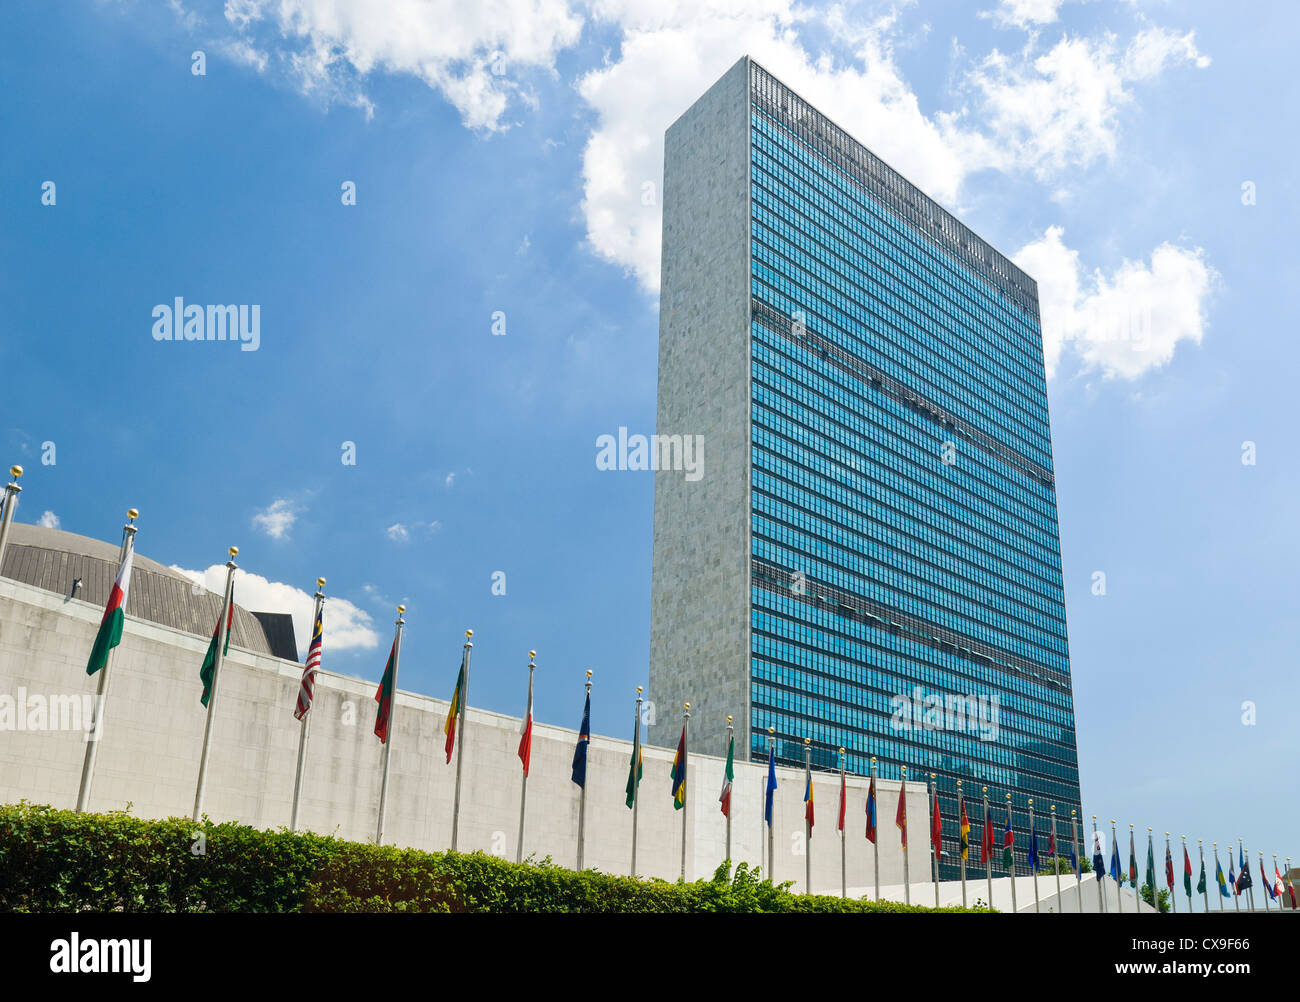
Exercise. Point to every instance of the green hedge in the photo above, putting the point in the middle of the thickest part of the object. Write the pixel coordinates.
(60, 861)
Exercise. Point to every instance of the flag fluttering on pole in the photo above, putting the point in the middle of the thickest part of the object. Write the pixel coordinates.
(1033, 849)
(1169, 868)
(1051, 841)
(986, 842)
(526, 741)
(1098, 860)
(728, 777)
(1290, 887)
(1218, 875)
(1116, 874)
(1151, 867)
(1263, 877)
(808, 801)
(1074, 860)
(307, 689)
(636, 768)
(1244, 883)
(453, 714)
(1278, 890)
(900, 816)
(871, 811)
(1200, 884)
(771, 785)
(1132, 860)
(679, 773)
(584, 739)
(1008, 842)
(210, 659)
(844, 800)
(384, 696)
(936, 825)
(110, 627)
(1232, 876)
(965, 833)
(1187, 872)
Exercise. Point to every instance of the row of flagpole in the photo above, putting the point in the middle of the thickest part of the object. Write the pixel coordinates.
(110, 632)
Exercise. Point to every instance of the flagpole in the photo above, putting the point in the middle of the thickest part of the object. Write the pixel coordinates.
(101, 692)
(1078, 861)
(1056, 867)
(388, 727)
(1205, 892)
(460, 745)
(875, 845)
(1250, 891)
(1133, 871)
(306, 719)
(523, 788)
(582, 796)
(807, 826)
(1114, 848)
(731, 736)
(1267, 897)
(1217, 871)
(771, 820)
(636, 785)
(907, 878)
(988, 863)
(1015, 908)
(1173, 898)
(222, 626)
(686, 755)
(932, 785)
(961, 857)
(1290, 882)
(12, 490)
(1151, 858)
(1033, 841)
(1101, 901)
(844, 859)
(1281, 905)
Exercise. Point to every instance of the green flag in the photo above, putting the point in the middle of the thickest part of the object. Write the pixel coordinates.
(1151, 867)
(210, 659)
(635, 768)
(1200, 884)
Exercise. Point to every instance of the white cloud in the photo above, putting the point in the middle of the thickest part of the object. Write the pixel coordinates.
(48, 520)
(278, 519)
(346, 626)
(1124, 324)
(400, 532)
(1155, 48)
(1024, 13)
(450, 481)
(472, 53)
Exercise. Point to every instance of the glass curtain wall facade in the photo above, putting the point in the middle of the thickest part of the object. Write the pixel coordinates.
(906, 588)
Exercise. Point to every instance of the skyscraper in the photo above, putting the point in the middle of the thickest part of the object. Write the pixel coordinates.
(871, 557)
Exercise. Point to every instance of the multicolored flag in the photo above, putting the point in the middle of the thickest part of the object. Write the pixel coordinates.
(1232, 876)
(1151, 865)
(584, 739)
(636, 768)
(1264, 879)
(1132, 860)
(771, 785)
(1169, 869)
(986, 840)
(1244, 883)
(1218, 875)
(1051, 842)
(1187, 872)
(965, 833)
(1278, 890)
(453, 714)
(110, 627)
(1290, 888)
(307, 688)
(727, 778)
(1116, 874)
(808, 800)
(1200, 884)
(679, 773)
(871, 811)
(1033, 849)
(1074, 861)
(1008, 842)
(1098, 860)
(384, 696)
(210, 658)
(900, 816)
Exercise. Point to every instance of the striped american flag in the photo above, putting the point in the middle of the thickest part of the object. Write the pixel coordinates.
(308, 686)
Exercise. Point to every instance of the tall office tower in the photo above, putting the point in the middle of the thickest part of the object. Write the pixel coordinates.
(871, 556)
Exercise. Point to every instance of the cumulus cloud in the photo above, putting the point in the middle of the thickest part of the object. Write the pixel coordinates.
(277, 519)
(1025, 13)
(401, 532)
(1125, 323)
(346, 625)
(48, 520)
(476, 55)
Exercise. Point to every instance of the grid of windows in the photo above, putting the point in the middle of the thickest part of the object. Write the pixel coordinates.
(903, 507)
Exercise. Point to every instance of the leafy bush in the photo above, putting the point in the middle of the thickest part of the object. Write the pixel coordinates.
(61, 861)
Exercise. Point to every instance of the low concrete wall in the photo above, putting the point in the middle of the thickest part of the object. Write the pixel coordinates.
(151, 742)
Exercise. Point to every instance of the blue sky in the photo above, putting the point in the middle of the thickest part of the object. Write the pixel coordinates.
(507, 157)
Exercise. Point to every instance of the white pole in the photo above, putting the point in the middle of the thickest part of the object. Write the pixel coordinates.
(844, 797)
(731, 735)
(986, 835)
(771, 821)
(388, 727)
(12, 490)
(1101, 901)
(1033, 835)
(523, 789)
(582, 790)
(1056, 867)
(306, 717)
(222, 625)
(686, 796)
(1015, 909)
(807, 841)
(460, 738)
(1078, 861)
(875, 845)
(933, 786)
(96, 731)
(1173, 898)
(632, 771)
(907, 879)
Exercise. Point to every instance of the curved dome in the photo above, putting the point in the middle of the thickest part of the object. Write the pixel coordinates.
(53, 559)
